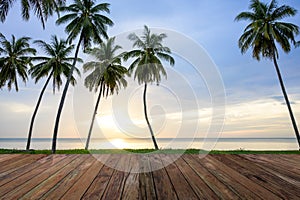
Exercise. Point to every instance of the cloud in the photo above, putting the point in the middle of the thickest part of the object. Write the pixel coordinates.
(15, 107)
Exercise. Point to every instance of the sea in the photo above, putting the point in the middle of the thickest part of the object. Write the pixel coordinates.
(163, 143)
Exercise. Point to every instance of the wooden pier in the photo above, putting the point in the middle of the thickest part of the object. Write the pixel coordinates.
(189, 177)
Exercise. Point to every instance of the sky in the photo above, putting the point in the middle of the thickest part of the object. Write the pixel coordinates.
(189, 103)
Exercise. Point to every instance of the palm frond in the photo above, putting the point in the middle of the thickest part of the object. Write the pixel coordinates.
(265, 29)
(16, 57)
(147, 67)
(5, 5)
(282, 12)
(107, 71)
(86, 21)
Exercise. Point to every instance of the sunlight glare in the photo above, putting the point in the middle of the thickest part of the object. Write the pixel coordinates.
(118, 143)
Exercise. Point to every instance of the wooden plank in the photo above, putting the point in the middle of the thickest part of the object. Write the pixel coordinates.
(163, 186)
(289, 158)
(181, 186)
(259, 175)
(197, 184)
(116, 183)
(276, 169)
(256, 174)
(4, 157)
(17, 190)
(291, 165)
(78, 189)
(233, 185)
(54, 180)
(99, 184)
(68, 181)
(14, 162)
(147, 188)
(12, 181)
(215, 184)
(242, 185)
(13, 173)
(131, 183)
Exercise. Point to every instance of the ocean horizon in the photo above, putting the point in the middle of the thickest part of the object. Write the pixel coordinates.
(164, 143)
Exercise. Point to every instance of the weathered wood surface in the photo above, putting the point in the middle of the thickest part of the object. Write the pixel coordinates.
(187, 177)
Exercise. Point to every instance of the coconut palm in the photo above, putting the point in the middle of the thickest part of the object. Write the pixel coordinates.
(107, 74)
(87, 22)
(147, 66)
(265, 32)
(42, 8)
(56, 65)
(16, 56)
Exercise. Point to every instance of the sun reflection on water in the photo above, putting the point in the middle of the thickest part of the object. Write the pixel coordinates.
(119, 143)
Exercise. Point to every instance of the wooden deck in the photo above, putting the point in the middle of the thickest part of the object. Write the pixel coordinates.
(189, 177)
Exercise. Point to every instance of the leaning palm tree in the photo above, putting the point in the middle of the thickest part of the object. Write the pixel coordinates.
(86, 22)
(42, 8)
(56, 65)
(107, 75)
(147, 66)
(264, 31)
(16, 56)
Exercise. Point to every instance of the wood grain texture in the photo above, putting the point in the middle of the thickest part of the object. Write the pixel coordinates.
(149, 176)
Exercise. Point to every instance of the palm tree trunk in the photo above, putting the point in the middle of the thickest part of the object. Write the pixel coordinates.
(93, 118)
(287, 101)
(63, 97)
(35, 111)
(146, 117)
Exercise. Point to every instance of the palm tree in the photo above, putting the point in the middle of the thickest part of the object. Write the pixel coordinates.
(108, 74)
(42, 8)
(264, 31)
(147, 65)
(16, 57)
(87, 22)
(55, 66)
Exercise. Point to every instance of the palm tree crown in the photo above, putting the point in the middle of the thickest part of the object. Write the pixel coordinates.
(42, 8)
(85, 20)
(108, 68)
(147, 66)
(57, 63)
(17, 56)
(265, 28)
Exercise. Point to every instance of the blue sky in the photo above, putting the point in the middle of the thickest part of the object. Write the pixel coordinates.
(254, 104)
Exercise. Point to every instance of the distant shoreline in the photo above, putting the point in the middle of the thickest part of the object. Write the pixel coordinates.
(144, 151)
(260, 144)
(197, 138)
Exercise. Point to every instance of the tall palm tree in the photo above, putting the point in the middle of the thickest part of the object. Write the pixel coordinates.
(107, 75)
(56, 65)
(265, 32)
(17, 55)
(42, 8)
(87, 22)
(147, 66)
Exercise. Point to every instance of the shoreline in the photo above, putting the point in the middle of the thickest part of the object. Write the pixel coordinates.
(146, 151)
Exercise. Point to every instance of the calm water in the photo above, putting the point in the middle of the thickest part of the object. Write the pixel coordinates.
(178, 143)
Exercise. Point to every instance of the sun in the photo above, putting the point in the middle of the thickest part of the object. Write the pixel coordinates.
(118, 143)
